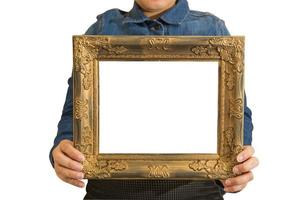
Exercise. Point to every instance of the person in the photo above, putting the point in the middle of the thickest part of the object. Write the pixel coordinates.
(150, 17)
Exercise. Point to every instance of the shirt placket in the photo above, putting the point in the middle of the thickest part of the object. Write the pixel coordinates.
(156, 27)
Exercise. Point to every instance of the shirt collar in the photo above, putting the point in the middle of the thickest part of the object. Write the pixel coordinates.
(174, 15)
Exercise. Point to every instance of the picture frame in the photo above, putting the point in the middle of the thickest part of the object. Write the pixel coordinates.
(228, 51)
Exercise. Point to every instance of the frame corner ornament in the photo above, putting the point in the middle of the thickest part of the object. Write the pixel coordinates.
(94, 167)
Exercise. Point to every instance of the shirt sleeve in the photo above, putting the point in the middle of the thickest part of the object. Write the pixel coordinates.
(248, 125)
(65, 124)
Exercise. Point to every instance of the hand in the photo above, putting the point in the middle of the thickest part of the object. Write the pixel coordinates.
(243, 170)
(67, 163)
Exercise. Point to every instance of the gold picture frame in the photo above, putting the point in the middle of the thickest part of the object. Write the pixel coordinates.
(88, 50)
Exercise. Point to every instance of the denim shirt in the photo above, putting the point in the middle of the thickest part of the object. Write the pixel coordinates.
(179, 20)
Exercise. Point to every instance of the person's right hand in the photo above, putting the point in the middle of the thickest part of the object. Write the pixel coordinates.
(67, 163)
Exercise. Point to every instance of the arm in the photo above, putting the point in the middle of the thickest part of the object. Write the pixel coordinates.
(65, 125)
(248, 125)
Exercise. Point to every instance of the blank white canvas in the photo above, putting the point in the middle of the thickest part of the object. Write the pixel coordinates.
(158, 107)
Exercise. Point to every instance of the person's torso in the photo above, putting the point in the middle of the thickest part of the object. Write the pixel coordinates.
(180, 20)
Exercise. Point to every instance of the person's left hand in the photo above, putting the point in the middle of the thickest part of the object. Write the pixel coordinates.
(246, 163)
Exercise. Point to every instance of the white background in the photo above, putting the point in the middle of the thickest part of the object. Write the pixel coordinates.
(165, 104)
(36, 60)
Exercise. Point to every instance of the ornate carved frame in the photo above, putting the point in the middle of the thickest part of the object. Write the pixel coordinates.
(88, 50)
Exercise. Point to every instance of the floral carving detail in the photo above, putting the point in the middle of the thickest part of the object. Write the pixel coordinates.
(159, 43)
(236, 108)
(81, 108)
(104, 43)
(86, 140)
(209, 168)
(86, 52)
(231, 51)
(158, 171)
(229, 142)
(99, 168)
(222, 166)
(203, 165)
(87, 76)
(230, 81)
(84, 55)
(205, 51)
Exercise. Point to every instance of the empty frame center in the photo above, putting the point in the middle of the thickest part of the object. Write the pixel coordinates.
(158, 107)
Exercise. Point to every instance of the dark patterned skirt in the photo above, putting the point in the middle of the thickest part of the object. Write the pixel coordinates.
(155, 189)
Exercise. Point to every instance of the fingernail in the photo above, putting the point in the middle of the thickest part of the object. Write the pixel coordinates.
(240, 158)
(81, 184)
(81, 157)
(81, 176)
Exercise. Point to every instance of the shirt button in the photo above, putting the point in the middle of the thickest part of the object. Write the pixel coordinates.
(156, 27)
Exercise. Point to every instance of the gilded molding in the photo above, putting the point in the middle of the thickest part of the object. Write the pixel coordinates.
(222, 167)
(97, 168)
(212, 169)
(86, 50)
(230, 80)
(86, 140)
(159, 43)
(231, 50)
(205, 51)
(158, 171)
(80, 108)
(236, 108)
(89, 50)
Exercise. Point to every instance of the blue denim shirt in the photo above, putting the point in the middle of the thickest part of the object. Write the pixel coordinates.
(179, 20)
